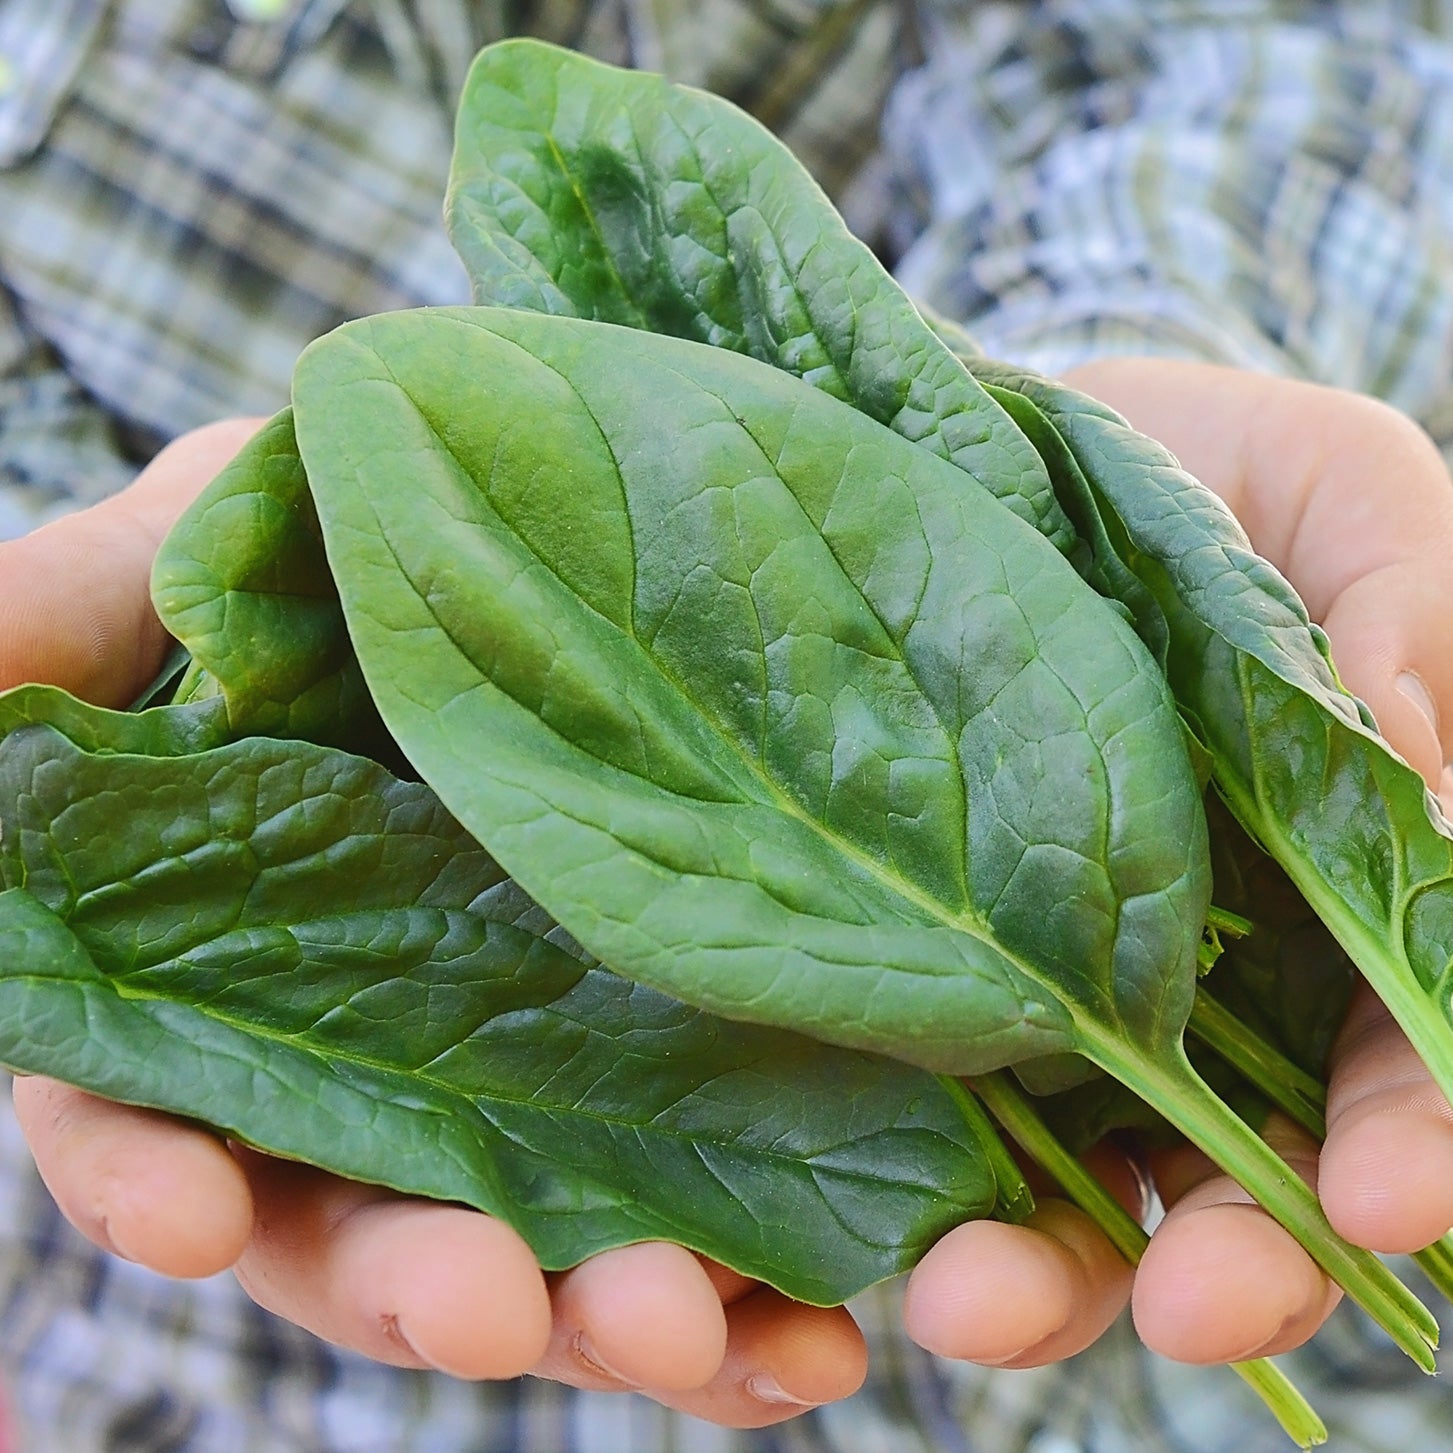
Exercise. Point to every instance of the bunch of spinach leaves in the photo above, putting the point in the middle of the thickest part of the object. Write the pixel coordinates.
(641, 738)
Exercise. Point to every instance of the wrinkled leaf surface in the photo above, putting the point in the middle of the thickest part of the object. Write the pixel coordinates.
(242, 582)
(297, 948)
(583, 190)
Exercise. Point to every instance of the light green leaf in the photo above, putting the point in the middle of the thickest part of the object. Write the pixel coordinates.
(242, 582)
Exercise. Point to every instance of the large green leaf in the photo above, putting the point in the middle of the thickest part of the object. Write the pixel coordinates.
(774, 709)
(1297, 758)
(582, 190)
(295, 947)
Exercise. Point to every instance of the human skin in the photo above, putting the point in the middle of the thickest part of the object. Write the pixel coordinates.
(1345, 495)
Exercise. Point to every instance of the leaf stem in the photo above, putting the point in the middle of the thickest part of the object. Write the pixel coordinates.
(1014, 1112)
(1179, 1093)
(1299, 1419)
(1383, 964)
(1010, 1106)
(1289, 1087)
(1014, 1201)
(1437, 1264)
(1233, 925)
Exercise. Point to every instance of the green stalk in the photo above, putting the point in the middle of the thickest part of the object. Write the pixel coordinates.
(1013, 1111)
(1437, 1264)
(1233, 925)
(1014, 1201)
(1220, 923)
(1179, 1093)
(1297, 1095)
(1289, 1087)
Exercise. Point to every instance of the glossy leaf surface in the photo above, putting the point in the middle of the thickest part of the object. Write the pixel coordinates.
(583, 190)
(1296, 757)
(773, 709)
(289, 944)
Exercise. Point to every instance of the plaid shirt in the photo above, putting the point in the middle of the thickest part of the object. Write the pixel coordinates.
(191, 190)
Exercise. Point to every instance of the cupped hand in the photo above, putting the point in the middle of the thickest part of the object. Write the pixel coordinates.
(408, 1282)
(1351, 501)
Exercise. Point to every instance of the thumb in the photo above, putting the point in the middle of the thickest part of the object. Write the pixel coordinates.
(75, 601)
(1389, 637)
(1348, 497)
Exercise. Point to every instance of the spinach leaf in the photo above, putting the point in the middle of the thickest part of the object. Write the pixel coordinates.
(1296, 757)
(243, 583)
(775, 710)
(612, 589)
(582, 190)
(157, 731)
(1100, 556)
(297, 948)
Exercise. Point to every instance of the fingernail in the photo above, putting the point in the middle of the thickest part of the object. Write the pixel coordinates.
(1416, 690)
(766, 1389)
(584, 1350)
(395, 1334)
(1003, 1361)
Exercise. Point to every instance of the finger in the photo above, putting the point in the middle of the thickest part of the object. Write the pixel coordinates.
(1386, 1179)
(1017, 1296)
(782, 1358)
(640, 1316)
(1221, 1281)
(698, 1337)
(152, 1189)
(406, 1282)
(75, 605)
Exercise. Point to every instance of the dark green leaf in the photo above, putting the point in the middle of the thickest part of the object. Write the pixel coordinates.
(776, 710)
(1297, 758)
(772, 708)
(289, 944)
